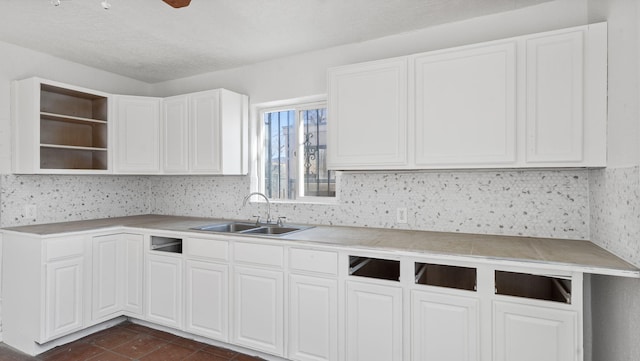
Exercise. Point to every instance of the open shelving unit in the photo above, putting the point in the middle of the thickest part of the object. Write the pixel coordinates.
(60, 128)
(73, 129)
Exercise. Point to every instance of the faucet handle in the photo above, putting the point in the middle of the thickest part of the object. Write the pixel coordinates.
(280, 221)
(257, 219)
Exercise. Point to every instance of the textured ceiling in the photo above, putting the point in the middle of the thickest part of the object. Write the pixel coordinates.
(150, 41)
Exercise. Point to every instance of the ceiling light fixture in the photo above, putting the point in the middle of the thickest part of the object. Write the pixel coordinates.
(105, 4)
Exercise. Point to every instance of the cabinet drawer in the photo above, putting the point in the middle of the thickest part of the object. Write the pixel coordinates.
(207, 248)
(313, 261)
(260, 254)
(57, 248)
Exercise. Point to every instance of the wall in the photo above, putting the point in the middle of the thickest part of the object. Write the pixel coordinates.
(615, 191)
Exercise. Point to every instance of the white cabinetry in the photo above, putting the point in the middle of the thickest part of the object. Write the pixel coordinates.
(530, 101)
(313, 305)
(107, 276)
(525, 332)
(566, 97)
(205, 133)
(368, 115)
(444, 327)
(175, 134)
(64, 296)
(137, 135)
(465, 106)
(164, 290)
(207, 288)
(374, 322)
(59, 128)
(259, 297)
(117, 276)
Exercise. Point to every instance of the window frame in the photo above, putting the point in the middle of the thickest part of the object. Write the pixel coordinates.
(296, 105)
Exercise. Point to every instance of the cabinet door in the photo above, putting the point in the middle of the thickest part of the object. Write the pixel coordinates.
(64, 296)
(555, 68)
(164, 290)
(132, 277)
(531, 333)
(313, 318)
(374, 322)
(206, 142)
(444, 327)
(107, 271)
(368, 115)
(138, 135)
(259, 314)
(175, 134)
(207, 299)
(465, 106)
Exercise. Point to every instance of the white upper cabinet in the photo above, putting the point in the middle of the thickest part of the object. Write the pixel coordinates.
(530, 101)
(137, 135)
(206, 133)
(465, 106)
(175, 134)
(368, 112)
(566, 97)
(59, 128)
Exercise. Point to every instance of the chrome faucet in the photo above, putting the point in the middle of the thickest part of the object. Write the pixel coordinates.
(246, 199)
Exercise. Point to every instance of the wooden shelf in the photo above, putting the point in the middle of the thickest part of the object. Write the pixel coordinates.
(69, 119)
(72, 147)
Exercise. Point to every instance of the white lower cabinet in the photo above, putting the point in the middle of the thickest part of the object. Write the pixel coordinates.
(532, 333)
(313, 318)
(64, 297)
(259, 309)
(164, 290)
(374, 322)
(107, 272)
(117, 276)
(444, 327)
(207, 304)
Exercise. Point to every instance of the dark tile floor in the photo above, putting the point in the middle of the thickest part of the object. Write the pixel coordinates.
(129, 341)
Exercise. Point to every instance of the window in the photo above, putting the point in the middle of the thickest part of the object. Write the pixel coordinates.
(294, 156)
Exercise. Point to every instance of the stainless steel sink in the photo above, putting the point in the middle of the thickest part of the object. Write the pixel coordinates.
(273, 230)
(227, 227)
(251, 228)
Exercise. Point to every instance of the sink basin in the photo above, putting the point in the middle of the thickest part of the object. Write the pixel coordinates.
(250, 228)
(227, 227)
(275, 230)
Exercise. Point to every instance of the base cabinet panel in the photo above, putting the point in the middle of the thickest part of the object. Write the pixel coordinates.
(374, 322)
(259, 313)
(528, 333)
(164, 290)
(107, 294)
(444, 327)
(64, 297)
(313, 318)
(207, 306)
(133, 277)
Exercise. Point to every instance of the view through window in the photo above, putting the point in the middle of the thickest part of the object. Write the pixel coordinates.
(295, 153)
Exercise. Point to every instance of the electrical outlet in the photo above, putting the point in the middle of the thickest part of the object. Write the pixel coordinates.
(31, 211)
(401, 215)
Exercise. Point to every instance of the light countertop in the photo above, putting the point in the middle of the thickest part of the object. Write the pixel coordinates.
(580, 255)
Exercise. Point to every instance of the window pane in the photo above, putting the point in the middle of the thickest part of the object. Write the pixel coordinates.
(280, 144)
(318, 181)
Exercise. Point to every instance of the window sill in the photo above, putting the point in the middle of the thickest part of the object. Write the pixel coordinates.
(327, 202)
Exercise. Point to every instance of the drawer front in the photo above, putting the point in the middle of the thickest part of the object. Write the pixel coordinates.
(259, 254)
(207, 248)
(57, 248)
(309, 260)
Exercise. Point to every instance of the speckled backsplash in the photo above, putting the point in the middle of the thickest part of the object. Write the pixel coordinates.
(537, 203)
(62, 198)
(615, 211)
(531, 203)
